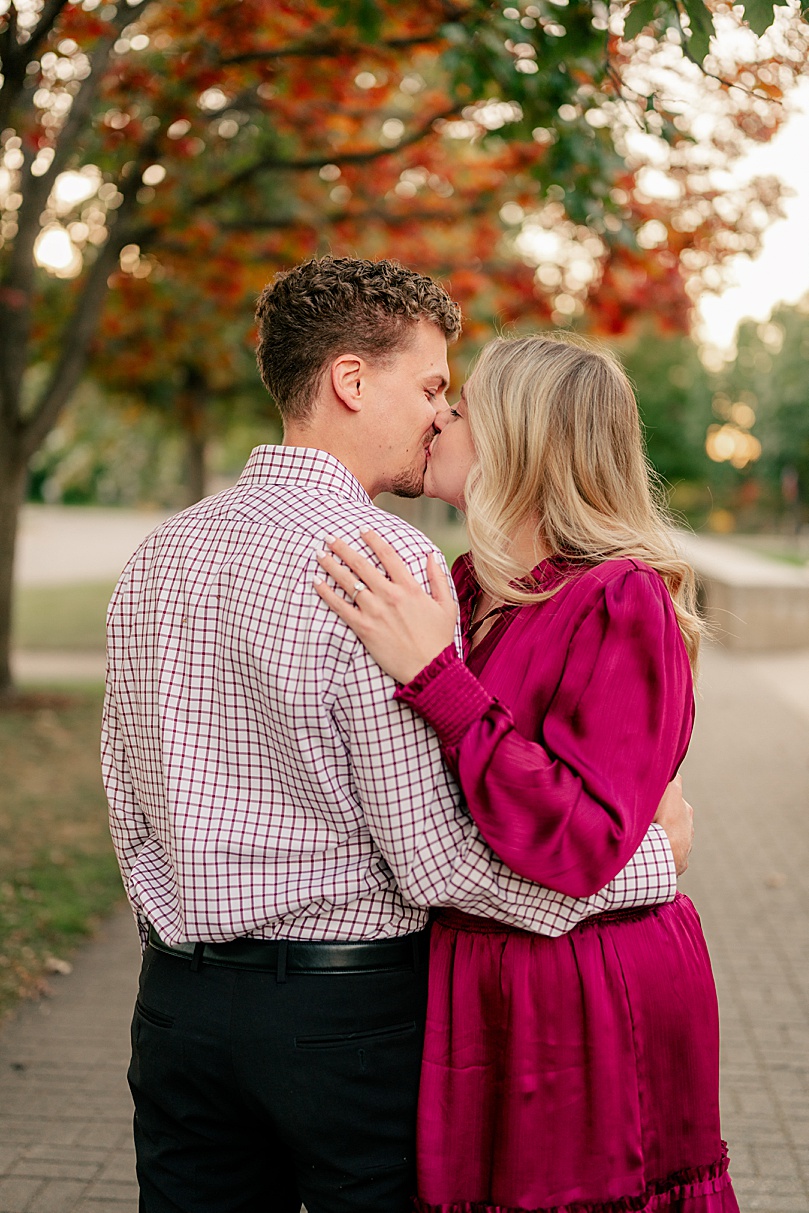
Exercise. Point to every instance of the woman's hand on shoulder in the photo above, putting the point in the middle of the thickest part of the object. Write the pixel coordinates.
(401, 626)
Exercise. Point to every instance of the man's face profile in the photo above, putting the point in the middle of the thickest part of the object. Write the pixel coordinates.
(407, 393)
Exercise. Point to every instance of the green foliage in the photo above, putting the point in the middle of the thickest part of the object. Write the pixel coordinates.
(760, 14)
(702, 28)
(125, 447)
(771, 376)
(106, 451)
(641, 14)
(674, 396)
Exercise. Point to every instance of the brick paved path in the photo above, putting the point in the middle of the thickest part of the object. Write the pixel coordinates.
(748, 773)
(65, 1112)
(64, 1107)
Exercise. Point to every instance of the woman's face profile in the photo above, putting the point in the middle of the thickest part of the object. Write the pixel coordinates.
(450, 455)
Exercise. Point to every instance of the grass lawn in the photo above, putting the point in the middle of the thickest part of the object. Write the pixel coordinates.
(58, 873)
(71, 617)
(61, 617)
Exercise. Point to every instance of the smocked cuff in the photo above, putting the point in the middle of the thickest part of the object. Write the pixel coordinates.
(447, 696)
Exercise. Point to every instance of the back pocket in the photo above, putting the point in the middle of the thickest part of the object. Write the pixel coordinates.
(156, 1018)
(338, 1040)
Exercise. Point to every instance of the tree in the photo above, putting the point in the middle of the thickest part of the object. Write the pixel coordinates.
(140, 137)
(674, 396)
(764, 397)
(176, 342)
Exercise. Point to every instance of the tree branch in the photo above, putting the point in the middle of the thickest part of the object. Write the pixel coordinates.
(26, 52)
(8, 39)
(278, 164)
(50, 11)
(74, 341)
(393, 218)
(19, 280)
(330, 50)
(13, 65)
(334, 46)
(15, 55)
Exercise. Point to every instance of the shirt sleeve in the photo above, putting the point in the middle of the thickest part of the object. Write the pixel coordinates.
(128, 827)
(570, 807)
(436, 853)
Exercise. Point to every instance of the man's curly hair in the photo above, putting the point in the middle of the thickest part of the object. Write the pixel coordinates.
(329, 306)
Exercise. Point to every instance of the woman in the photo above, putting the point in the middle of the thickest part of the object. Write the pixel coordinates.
(577, 1074)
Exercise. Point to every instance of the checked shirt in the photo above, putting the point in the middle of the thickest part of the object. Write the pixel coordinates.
(262, 779)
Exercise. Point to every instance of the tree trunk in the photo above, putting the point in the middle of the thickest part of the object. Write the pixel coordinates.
(195, 470)
(13, 476)
(193, 419)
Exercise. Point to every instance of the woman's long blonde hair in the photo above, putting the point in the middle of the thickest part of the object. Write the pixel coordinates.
(559, 447)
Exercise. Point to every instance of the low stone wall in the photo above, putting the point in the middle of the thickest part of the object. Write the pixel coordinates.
(751, 601)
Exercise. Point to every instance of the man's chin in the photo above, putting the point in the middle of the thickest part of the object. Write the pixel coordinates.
(408, 484)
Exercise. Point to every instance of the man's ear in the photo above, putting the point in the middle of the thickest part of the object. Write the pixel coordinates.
(347, 375)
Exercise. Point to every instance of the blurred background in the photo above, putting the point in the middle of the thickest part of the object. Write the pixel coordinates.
(637, 172)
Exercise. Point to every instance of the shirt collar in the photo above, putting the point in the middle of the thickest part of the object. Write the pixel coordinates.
(305, 466)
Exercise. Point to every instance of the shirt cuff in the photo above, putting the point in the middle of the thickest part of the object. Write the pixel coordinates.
(650, 877)
(447, 696)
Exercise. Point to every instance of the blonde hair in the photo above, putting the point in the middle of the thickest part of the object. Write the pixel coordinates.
(558, 445)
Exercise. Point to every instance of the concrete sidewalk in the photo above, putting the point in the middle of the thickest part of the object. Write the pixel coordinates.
(64, 1107)
(60, 545)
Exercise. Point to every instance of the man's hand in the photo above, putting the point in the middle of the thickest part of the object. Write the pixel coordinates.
(676, 817)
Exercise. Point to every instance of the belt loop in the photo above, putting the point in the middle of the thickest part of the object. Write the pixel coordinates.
(281, 968)
(196, 959)
(416, 954)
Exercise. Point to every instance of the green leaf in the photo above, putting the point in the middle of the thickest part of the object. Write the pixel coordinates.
(365, 15)
(760, 14)
(641, 14)
(702, 29)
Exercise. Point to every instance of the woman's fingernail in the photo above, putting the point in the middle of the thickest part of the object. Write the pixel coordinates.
(322, 554)
(330, 539)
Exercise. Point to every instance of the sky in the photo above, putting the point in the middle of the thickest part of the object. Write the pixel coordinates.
(781, 270)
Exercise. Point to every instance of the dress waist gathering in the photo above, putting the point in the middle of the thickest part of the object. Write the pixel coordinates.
(458, 920)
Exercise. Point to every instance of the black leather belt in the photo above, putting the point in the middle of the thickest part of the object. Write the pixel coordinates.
(303, 956)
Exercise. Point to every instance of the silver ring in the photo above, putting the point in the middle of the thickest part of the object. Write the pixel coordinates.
(359, 586)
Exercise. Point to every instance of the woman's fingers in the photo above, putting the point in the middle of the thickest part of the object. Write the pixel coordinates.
(439, 583)
(340, 607)
(352, 568)
(389, 558)
(357, 563)
(344, 576)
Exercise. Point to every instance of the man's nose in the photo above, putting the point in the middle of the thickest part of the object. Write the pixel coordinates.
(441, 418)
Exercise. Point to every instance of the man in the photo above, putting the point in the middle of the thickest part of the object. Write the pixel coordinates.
(282, 823)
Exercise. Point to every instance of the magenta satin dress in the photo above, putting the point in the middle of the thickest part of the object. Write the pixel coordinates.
(576, 1074)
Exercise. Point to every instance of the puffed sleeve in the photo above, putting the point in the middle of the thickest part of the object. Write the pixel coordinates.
(569, 807)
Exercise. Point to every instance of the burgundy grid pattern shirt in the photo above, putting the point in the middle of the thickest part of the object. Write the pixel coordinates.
(261, 777)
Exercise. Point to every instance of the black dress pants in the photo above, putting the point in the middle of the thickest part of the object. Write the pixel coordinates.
(254, 1094)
